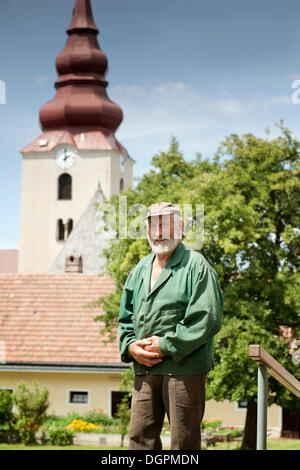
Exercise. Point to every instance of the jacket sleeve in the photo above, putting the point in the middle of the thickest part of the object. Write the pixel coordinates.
(126, 332)
(202, 320)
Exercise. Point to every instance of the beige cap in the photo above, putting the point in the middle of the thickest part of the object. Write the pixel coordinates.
(161, 208)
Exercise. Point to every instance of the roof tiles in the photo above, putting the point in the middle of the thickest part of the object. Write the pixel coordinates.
(45, 318)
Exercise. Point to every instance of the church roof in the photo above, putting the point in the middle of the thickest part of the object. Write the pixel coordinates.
(45, 319)
(81, 109)
(87, 240)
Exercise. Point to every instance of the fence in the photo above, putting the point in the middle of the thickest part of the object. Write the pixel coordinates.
(266, 363)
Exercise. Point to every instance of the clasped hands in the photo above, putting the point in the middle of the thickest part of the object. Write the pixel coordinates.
(146, 351)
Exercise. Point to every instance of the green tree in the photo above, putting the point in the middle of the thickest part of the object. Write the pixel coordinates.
(251, 193)
(255, 247)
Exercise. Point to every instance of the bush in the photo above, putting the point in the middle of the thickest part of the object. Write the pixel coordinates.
(98, 417)
(59, 435)
(60, 420)
(236, 433)
(123, 414)
(32, 406)
(6, 404)
(213, 425)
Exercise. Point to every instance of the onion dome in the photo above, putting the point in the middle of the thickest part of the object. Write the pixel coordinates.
(81, 102)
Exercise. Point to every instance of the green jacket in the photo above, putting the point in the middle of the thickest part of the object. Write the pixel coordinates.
(184, 309)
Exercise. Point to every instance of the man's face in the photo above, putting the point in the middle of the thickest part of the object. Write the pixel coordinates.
(162, 233)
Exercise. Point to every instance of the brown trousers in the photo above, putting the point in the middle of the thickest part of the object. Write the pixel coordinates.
(182, 397)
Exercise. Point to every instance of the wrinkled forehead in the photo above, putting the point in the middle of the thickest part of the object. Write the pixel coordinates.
(160, 219)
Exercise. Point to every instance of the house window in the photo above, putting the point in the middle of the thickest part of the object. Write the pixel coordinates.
(78, 397)
(115, 399)
(121, 185)
(242, 405)
(65, 186)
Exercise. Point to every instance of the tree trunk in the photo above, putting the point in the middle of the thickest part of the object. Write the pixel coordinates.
(249, 438)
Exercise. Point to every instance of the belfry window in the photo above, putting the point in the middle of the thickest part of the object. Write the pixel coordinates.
(60, 230)
(69, 226)
(65, 186)
(63, 230)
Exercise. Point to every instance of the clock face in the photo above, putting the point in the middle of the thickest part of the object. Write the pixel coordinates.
(122, 163)
(65, 157)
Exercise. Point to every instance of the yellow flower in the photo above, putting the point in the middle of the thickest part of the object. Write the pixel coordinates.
(80, 425)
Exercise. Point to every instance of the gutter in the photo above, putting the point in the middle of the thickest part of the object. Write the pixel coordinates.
(63, 367)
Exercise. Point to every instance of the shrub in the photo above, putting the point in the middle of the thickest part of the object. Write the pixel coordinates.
(214, 424)
(63, 421)
(59, 435)
(98, 417)
(123, 413)
(6, 404)
(32, 406)
(236, 433)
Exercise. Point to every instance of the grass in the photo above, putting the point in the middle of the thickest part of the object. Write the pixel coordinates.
(48, 447)
(273, 444)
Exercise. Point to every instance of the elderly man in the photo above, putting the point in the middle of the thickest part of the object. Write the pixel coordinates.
(170, 310)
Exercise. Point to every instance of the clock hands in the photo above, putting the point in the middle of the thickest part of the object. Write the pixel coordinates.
(65, 153)
(66, 156)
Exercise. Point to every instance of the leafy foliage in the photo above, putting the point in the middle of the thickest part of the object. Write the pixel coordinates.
(58, 435)
(6, 404)
(32, 406)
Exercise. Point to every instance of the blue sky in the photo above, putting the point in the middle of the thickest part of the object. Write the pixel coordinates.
(196, 69)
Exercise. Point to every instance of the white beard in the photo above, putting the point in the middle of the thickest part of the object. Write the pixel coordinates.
(166, 247)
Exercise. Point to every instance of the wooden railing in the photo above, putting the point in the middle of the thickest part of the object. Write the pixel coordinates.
(266, 363)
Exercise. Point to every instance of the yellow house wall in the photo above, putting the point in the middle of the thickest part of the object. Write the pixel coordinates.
(98, 384)
(230, 415)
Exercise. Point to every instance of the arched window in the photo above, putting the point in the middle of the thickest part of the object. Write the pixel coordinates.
(69, 226)
(60, 230)
(65, 186)
(121, 185)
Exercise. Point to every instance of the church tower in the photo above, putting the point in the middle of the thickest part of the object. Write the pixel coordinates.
(77, 157)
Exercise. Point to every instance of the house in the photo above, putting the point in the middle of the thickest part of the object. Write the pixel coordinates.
(48, 334)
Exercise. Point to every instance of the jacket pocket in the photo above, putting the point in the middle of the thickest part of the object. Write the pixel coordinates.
(168, 319)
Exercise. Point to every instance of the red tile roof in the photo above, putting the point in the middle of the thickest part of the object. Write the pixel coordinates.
(44, 318)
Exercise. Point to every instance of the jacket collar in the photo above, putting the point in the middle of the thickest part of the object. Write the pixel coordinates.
(166, 271)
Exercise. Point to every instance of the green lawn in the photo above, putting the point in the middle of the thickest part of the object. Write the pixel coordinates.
(48, 447)
(273, 444)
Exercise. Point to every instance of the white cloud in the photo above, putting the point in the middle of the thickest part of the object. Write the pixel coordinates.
(40, 79)
(155, 112)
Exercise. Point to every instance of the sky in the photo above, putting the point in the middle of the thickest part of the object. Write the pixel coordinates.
(198, 70)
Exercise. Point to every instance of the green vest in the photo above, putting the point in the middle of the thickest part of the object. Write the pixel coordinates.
(184, 309)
